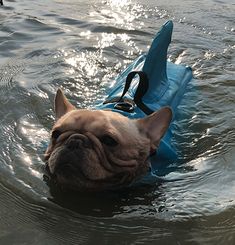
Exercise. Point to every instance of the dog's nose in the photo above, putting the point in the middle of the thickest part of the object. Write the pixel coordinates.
(77, 141)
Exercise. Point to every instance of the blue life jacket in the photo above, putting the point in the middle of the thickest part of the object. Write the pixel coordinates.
(165, 86)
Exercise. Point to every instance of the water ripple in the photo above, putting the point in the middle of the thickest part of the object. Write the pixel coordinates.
(47, 45)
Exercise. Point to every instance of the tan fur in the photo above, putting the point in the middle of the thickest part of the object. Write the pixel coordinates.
(90, 163)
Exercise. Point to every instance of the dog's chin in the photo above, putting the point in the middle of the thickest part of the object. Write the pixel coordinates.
(83, 170)
(80, 184)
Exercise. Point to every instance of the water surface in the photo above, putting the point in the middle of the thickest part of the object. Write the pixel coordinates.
(81, 46)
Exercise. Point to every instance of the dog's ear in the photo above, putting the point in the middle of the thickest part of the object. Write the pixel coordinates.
(62, 105)
(155, 125)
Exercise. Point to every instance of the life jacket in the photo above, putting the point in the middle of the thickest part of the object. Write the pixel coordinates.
(149, 83)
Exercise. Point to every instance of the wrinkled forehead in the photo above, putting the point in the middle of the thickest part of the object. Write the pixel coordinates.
(90, 120)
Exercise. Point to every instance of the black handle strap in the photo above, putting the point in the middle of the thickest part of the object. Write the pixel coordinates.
(140, 91)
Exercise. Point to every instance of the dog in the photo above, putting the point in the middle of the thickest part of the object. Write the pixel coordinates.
(97, 150)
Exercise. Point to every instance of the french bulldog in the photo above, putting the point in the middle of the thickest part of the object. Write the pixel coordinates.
(97, 150)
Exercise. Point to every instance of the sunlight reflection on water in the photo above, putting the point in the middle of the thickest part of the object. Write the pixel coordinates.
(81, 46)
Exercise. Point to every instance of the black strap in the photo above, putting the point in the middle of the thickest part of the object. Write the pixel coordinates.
(140, 91)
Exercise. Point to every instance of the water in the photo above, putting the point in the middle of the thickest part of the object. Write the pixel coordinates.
(80, 46)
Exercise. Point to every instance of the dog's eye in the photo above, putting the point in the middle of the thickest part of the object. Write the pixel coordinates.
(108, 140)
(55, 134)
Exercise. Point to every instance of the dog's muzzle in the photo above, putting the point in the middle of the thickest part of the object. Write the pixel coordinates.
(64, 158)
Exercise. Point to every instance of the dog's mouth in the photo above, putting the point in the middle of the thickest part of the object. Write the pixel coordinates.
(82, 163)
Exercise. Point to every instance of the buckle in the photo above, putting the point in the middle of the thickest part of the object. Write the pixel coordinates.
(124, 106)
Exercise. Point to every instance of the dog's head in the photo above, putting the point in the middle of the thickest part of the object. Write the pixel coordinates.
(101, 149)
